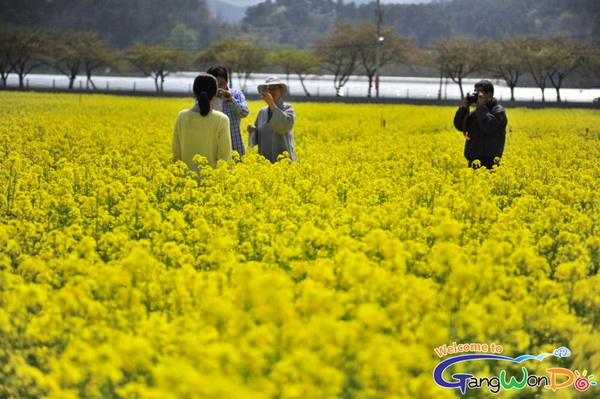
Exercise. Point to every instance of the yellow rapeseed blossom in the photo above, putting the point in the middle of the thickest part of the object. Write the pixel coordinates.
(122, 274)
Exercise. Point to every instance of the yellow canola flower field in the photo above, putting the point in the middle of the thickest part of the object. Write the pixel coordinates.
(122, 276)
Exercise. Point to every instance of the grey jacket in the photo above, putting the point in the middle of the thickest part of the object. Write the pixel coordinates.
(274, 131)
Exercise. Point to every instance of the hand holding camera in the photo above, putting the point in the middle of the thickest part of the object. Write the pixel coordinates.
(476, 97)
(263, 90)
(472, 97)
(224, 94)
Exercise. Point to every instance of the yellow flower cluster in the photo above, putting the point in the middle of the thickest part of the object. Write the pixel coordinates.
(122, 275)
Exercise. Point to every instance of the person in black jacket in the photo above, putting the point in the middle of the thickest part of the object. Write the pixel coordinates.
(484, 128)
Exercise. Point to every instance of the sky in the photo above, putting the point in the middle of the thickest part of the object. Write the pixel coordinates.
(222, 8)
(246, 3)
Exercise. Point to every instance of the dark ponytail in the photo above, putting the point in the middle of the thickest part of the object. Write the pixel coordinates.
(205, 88)
(204, 103)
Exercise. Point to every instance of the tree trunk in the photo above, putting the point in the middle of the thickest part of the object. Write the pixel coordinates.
(303, 86)
(90, 81)
(557, 85)
(370, 85)
(337, 85)
(441, 83)
(156, 83)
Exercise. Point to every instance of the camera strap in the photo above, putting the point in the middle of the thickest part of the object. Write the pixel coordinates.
(464, 126)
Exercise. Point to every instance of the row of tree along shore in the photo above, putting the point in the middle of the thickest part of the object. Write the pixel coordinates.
(323, 99)
(346, 51)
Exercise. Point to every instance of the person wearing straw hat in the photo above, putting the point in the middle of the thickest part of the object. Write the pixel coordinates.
(273, 130)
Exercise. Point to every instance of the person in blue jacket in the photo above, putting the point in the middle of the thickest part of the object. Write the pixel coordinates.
(232, 103)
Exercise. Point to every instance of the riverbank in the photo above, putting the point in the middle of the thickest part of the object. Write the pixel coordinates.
(396, 88)
(325, 99)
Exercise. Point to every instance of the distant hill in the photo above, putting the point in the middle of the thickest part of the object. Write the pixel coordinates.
(242, 3)
(300, 23)
(426, 22)
(234, 10)
(395, 1)
(229, 12)
(248, 3)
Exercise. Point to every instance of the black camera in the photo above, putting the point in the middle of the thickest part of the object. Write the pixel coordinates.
(219, 93)
(472, 97)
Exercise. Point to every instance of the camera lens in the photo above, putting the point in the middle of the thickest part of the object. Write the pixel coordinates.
(472, 97)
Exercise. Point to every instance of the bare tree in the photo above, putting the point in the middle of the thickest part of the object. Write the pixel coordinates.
(538, 62)
(72, 53)
(6, 43)
(567, 56)
(394, 49)
(99, 54)
(592, 67)
(239, 56)
(25, 49)
(157, 61)
(459, 57)
(284, 58)
(338, 55)
(299, 62)
(64, 53)
(508, 60)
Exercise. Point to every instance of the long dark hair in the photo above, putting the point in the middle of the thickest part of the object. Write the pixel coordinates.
(205, 88)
